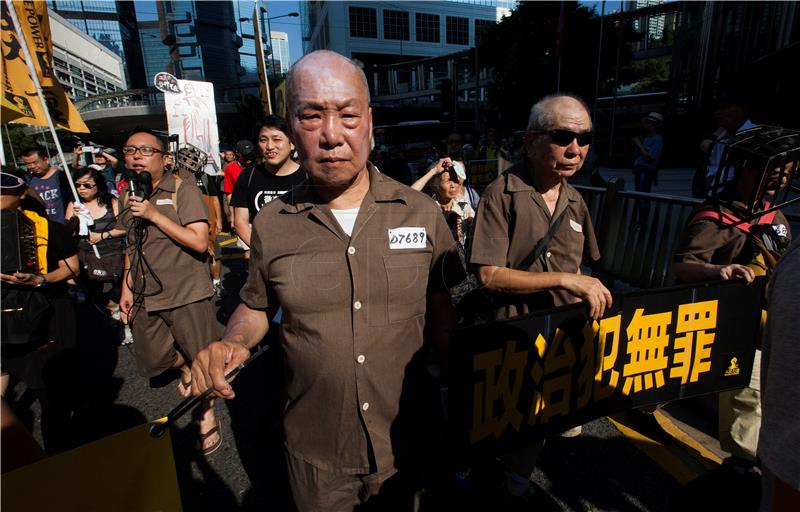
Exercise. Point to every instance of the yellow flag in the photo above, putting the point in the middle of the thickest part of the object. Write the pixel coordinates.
(19, 89)
(36, 28)
(262, 72)
(129, 471)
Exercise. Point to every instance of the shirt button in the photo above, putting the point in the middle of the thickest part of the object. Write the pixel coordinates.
(365, 406)
(351, 250)
(357, 304)
(361, 359)
(548, 254)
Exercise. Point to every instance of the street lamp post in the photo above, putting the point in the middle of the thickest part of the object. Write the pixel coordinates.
(269, 32)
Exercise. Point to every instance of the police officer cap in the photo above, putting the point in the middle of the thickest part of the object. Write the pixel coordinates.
(10, 184)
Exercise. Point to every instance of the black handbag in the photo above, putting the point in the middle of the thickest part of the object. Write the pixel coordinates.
(25, 310)
(108, 268)
(478, 306)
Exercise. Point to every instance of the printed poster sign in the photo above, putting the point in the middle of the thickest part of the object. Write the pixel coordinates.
(481, 173)
(514, 380)
(192, 115)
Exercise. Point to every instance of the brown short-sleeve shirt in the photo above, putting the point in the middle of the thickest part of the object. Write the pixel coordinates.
(513, 217)
(183, 273)
(353, 314)
(707, 241)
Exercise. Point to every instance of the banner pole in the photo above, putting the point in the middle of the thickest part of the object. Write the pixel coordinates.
(11, 146)
(24, 45)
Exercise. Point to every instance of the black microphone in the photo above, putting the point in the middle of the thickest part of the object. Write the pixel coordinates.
(145, 184)
(133, 182)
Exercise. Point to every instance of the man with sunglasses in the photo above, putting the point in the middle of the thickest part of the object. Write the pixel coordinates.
(524, 205)
(166, 291)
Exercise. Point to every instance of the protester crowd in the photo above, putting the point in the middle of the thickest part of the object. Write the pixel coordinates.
(307, 200)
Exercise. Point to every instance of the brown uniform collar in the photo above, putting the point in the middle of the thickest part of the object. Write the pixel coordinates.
(381, 189)
(167, 182)
(519, 180)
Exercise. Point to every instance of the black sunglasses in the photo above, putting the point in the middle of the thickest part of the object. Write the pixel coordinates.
(565, 137)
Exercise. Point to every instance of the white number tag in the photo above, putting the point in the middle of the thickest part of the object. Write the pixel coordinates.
(407, 238)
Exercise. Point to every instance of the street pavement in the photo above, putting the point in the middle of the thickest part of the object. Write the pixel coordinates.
(630, 462)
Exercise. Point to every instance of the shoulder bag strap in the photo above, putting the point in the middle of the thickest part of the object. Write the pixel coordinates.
(543, 243)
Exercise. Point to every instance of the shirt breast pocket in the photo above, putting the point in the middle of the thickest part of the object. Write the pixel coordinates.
(407, 283)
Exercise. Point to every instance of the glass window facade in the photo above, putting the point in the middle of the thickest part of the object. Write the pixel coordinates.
(480, 25)
(395, 25)
(457, 30)
(427, 27)
(363, 22)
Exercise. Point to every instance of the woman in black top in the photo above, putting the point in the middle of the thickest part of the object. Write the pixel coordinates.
(105, 238)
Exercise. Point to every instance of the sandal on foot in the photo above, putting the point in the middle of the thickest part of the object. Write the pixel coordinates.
(214, 447)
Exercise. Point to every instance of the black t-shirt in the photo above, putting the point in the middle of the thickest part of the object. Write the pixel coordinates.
(257, 187)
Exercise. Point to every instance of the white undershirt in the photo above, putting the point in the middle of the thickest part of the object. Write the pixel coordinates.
(346, 218)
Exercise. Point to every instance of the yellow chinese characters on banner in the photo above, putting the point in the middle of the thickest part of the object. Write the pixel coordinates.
(569, 373)
(19, 89)
(126, 471)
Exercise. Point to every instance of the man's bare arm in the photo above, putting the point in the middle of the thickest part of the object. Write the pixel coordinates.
(507, 280)
(245, 329)
(241, 221)
(695, 271)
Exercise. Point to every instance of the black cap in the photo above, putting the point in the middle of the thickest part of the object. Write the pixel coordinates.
(245, 147)
(11, 185)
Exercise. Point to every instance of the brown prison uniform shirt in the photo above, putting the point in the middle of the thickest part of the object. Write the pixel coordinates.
(353, 317)
(513, 217)
(184, 274)
(707, 241)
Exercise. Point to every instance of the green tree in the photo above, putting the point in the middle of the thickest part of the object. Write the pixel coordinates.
(19, 141)
(522, 51)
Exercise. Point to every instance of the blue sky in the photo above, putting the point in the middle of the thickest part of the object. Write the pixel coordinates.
(289, 25)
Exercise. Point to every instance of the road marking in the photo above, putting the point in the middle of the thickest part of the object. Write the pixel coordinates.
(656, 451)
(677, 452)
(228, 242)
(706, 457)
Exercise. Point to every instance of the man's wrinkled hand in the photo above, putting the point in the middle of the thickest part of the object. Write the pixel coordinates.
(735, 271)
(591, 290)
(213, 363)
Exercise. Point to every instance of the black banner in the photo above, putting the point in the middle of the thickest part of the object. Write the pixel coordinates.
(514, 380)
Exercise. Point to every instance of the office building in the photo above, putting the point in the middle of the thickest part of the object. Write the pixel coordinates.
(112, 24)
(156, 53)
(203, 40)
(385, 33)
(280, 53)
(83, 65)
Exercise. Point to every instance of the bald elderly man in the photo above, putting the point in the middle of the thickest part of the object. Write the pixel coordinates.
(359, 263)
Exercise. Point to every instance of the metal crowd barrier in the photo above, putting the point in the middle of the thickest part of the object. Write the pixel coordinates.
(640, 255)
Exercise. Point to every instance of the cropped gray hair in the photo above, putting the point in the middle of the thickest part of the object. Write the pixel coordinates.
(541, 117)
(290, 78)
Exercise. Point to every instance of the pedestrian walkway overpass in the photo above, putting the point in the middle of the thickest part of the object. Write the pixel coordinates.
(118, 112)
